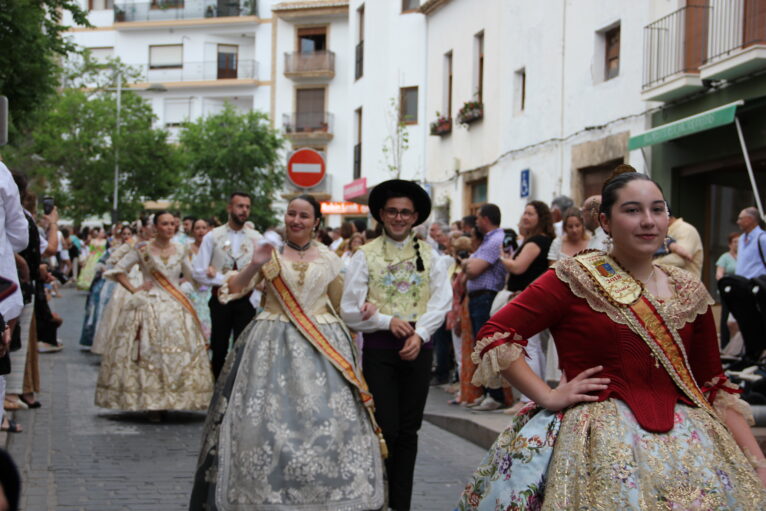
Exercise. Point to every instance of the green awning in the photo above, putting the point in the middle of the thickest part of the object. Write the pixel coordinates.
(694, 124)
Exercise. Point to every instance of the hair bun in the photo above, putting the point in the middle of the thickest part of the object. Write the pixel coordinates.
(622, 168)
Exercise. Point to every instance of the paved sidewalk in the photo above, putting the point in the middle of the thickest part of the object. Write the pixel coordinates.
(74, 456)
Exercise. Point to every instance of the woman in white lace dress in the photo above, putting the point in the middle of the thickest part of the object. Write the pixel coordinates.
(290, 425)
(157, 359)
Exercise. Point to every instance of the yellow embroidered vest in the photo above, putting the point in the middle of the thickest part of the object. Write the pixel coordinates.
(395, 285)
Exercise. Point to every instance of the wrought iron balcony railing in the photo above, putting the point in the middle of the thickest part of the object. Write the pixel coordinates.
(198, 71)
(307, 123)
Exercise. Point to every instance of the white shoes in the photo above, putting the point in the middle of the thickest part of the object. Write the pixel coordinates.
(487, 405)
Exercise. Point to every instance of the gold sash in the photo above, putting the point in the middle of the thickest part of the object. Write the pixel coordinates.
(298, 317)
(644, 318)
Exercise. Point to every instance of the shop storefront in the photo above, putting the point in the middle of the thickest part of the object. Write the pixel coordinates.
(699, 158)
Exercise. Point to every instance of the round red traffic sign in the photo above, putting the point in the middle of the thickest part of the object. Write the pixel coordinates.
(306, 168)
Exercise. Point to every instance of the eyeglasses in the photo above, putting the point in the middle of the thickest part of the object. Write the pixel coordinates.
(406, 214)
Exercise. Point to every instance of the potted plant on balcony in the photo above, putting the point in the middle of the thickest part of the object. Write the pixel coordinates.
(441, 126)
(471, 111)
(119, 14)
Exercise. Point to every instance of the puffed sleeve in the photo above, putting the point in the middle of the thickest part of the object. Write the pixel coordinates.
(706, 366)
(123, 265)
(225, 295)
(503, 338)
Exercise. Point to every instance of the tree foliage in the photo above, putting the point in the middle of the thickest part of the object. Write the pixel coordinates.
(74, 154)
(31, 41)
(228, 152)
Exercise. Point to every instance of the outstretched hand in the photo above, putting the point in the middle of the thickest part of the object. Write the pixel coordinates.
(262, 253)
(575, 391)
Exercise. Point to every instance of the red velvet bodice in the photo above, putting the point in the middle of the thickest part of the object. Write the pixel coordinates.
(586, 338)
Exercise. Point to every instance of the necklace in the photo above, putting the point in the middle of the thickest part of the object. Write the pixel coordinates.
(298, 248)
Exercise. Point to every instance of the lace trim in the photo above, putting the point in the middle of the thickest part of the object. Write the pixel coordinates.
(491, 360)
(724, 400)
(691, 298)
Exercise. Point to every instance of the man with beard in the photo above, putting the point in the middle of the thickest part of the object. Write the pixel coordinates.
(226, 248)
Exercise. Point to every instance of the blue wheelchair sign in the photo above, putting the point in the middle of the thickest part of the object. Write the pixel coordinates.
(525, 184)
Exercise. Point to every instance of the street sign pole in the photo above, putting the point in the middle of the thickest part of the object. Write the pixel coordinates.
(3, 120)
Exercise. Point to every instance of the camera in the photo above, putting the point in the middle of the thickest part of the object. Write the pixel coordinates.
(48, 205)
(509, 240)
(463, 254)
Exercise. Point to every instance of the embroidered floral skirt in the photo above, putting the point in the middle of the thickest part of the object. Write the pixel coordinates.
(596, 457)
(156, 360)
(285, 431)
(110, 316)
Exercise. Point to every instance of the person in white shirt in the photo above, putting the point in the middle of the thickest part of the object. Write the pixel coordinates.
(406, 281)
(225, 248)
(14, 237)
(590, 219)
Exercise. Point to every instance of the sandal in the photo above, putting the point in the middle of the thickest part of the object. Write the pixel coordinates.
(11, 404)
(30, 404)
(12, 427)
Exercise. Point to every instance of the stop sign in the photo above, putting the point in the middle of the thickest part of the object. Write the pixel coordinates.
(306, 168)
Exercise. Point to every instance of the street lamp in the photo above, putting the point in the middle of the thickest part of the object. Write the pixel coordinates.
(153, 87)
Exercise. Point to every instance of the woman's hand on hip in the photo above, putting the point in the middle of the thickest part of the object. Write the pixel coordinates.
(576, 390)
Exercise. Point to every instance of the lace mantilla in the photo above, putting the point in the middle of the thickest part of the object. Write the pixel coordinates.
(492, 356)
(690, 296)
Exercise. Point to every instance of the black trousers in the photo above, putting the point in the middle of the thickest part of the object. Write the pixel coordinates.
(226, 320)
(400, 389)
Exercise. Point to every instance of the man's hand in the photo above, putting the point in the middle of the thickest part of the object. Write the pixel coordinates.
(401, 328)
(680, 251)
(411, 348)
(211, 272)
(51, 218)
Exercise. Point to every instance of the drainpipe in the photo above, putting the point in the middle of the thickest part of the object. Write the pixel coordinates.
(559, 182)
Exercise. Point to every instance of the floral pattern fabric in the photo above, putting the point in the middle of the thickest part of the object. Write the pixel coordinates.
(596, 456)
(285, 431)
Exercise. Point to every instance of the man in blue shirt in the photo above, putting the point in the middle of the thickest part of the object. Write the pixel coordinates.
(750, 260)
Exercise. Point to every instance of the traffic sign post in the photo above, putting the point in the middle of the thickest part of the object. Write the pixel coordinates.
(306, 168)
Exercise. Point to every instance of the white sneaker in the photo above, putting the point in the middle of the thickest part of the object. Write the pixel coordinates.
(479, 400)
(488, 404)
(44, 347)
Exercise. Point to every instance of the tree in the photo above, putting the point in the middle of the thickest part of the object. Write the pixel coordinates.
(398, 139)
(31, 38)
(74, 154)
(228, 152)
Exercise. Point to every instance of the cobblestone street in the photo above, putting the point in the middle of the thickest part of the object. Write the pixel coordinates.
(74, 456)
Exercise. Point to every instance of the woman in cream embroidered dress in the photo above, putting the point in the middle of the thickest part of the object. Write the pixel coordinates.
(647, 419)
(285, 430)
(114, 295)
(157, 358)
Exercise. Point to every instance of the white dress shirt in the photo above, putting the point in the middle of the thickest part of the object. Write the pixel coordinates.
(201, 261)
(598, 240)
(355, 290)
(14, 237)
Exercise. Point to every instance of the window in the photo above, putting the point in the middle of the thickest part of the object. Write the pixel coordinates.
(410, 5)
(167, 4)
(101, 55)
(408, 105)
(311, 40)
(479, 78)
(359, 57)
(166, 56)
(99, 5)
(177, 112)
(477, 195)
(358, 144)
(521, 90)
(309, 110)
(448, 85)
(227, 61)
(612, 53)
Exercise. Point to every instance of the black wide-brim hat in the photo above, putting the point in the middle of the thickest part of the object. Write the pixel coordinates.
(400, 188)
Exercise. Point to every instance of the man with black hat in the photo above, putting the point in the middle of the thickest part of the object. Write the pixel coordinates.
(406, 280)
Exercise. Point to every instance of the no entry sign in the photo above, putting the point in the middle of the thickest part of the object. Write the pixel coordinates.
(306, 168)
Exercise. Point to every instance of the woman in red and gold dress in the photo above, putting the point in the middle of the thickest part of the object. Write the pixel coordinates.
(647, 419)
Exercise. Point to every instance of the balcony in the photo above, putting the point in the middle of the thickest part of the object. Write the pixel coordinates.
(722, 40)
(674, 48)
(308, 127)
(359, 61)
(310, 65)
(177, 10)
(207, 71)
(737, 41)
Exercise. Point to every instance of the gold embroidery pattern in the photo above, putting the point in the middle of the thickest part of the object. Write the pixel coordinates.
(603, 460)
